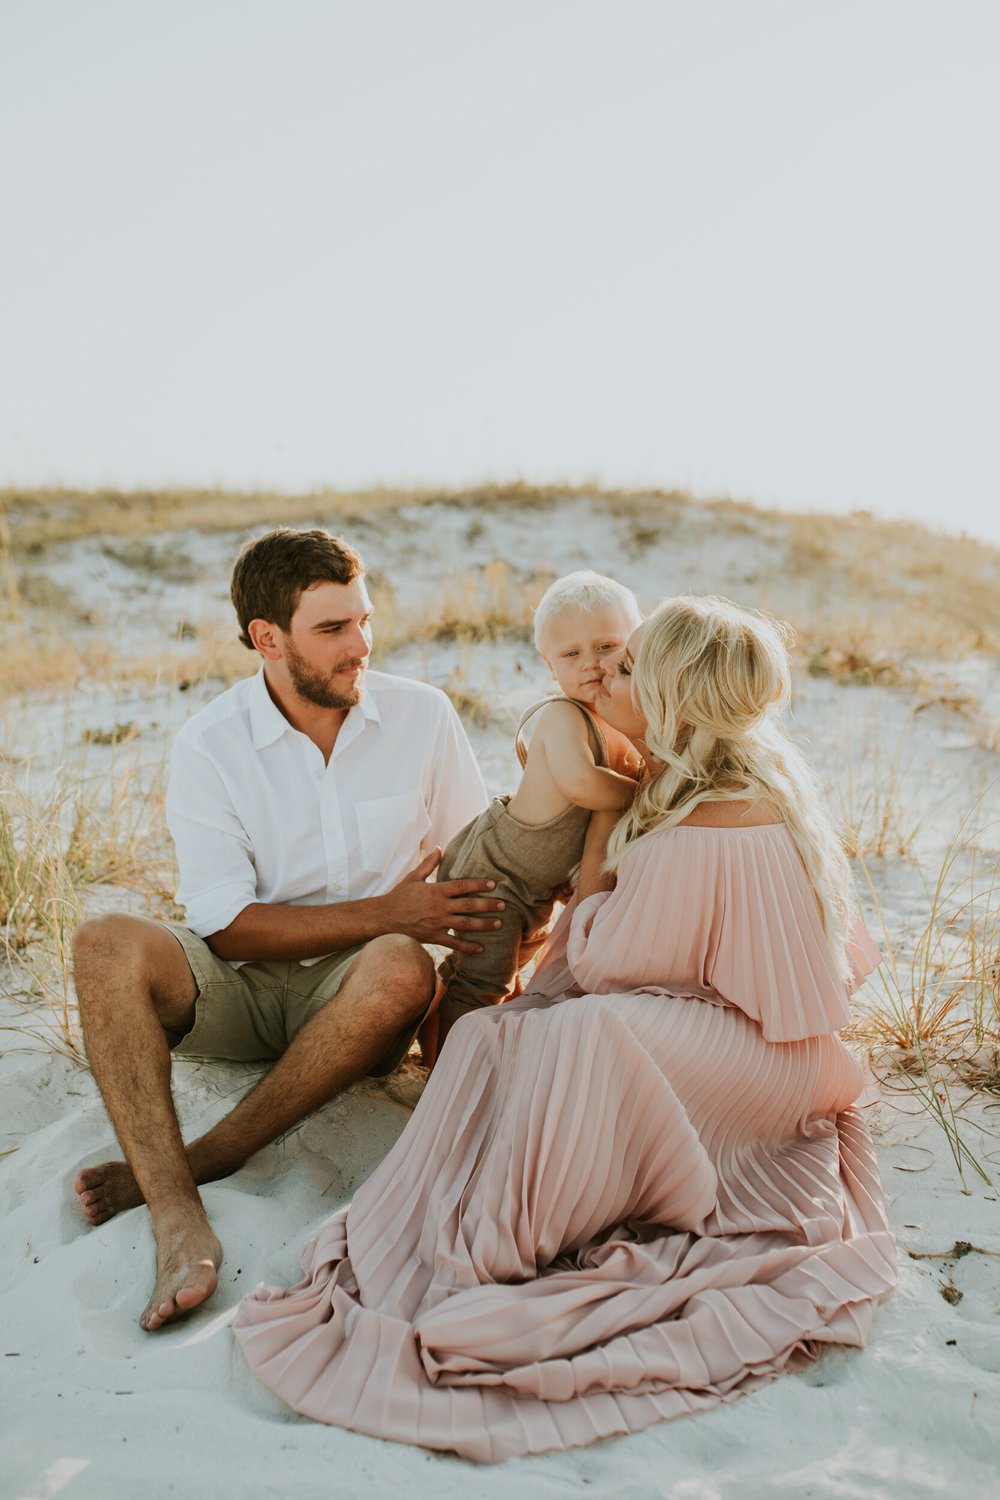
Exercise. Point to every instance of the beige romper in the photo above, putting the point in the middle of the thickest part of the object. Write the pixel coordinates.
(528, 862)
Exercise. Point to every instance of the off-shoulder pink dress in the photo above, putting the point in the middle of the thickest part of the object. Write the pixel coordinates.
(636, 1192)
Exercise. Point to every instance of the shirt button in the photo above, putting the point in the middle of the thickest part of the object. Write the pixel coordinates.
(336, 886)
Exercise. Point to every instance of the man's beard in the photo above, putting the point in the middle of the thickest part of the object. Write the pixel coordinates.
(315, 688)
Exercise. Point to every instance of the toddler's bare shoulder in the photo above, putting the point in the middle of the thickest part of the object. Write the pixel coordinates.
(562, 718)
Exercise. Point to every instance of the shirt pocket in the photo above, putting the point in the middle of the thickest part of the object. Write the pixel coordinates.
(391, 831)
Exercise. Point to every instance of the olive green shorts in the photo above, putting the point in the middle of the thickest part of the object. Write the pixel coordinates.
(250, 1014)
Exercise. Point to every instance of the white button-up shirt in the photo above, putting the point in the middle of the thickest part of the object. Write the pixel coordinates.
(258, 816)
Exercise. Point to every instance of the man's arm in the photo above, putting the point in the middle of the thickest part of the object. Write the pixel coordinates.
(218, 886)
(431, 912)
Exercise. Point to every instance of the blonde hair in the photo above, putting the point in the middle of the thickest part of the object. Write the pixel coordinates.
(586, 591)
(711, 679)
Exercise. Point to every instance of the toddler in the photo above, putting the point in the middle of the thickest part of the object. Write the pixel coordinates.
(531, 843)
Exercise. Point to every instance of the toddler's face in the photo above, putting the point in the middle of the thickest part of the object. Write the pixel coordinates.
(576, 643)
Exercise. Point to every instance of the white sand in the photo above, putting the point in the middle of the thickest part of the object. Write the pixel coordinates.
(133, 1414)
(93, 1407)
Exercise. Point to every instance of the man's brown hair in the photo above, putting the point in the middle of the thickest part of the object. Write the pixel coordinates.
(273, 571)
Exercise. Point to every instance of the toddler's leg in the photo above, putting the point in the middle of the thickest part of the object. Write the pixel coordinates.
(472, 980)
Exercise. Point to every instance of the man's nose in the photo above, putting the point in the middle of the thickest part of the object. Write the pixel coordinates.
(362, 644)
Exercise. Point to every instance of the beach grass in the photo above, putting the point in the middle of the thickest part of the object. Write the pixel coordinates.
(65, 836)
(930, 1019)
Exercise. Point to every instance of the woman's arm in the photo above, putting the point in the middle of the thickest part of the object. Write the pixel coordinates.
(592, 874)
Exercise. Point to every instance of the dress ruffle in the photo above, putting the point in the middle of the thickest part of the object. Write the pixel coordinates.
(736, 918)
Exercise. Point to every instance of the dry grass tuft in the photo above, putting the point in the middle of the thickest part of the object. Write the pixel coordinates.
(39, 906)
(878, 820)
(485, 604)
(851, 663)
(984, 730)
(928, 593)
(935, 1022)
(474, 708)
(41, 667)
(85, 830)
(116, 836)
(36, 889)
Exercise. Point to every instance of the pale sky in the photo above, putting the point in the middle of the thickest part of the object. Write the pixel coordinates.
(743, 246)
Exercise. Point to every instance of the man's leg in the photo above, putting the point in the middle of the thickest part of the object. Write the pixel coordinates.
(133, 980)
(388, 986)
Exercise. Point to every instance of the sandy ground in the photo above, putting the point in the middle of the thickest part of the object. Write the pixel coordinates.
(91, 1401)
(93, 1407)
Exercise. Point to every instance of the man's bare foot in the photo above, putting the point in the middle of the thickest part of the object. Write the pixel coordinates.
(106, 1190)
(188, 1255)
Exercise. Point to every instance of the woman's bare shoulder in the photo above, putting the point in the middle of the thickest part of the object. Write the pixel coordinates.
(742, 814)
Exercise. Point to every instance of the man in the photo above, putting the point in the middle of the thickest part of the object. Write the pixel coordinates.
(308, 804)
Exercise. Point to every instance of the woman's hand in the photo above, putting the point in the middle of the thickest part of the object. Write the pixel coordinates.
(595, 851)
(623, 756)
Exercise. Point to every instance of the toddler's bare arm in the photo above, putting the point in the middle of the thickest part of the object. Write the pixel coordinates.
(565, 743)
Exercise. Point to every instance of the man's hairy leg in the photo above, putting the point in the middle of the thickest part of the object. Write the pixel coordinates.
(133, 980)
(388, 986)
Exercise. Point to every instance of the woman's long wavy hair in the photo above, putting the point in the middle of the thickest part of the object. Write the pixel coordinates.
(711, 681)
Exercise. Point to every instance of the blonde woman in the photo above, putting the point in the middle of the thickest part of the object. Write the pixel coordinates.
(641, 1189)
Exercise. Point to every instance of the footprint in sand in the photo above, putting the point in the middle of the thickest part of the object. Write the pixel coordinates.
(111, 1293)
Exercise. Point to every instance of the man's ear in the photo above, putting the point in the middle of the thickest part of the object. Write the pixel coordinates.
(264, 634)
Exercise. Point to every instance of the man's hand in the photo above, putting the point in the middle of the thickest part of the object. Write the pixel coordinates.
(437, 912)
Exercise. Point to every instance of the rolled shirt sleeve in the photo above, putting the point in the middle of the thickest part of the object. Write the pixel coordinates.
(455, 791)
(214, 856)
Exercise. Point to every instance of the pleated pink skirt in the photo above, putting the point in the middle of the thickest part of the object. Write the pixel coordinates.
(606, 1211)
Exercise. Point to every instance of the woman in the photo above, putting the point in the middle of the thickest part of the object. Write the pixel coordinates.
(640, 1189)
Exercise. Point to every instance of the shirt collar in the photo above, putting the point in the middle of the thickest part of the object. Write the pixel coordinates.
(268, 723)
(364, 713)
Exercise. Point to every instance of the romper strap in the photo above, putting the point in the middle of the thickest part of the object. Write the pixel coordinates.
(598, 743)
